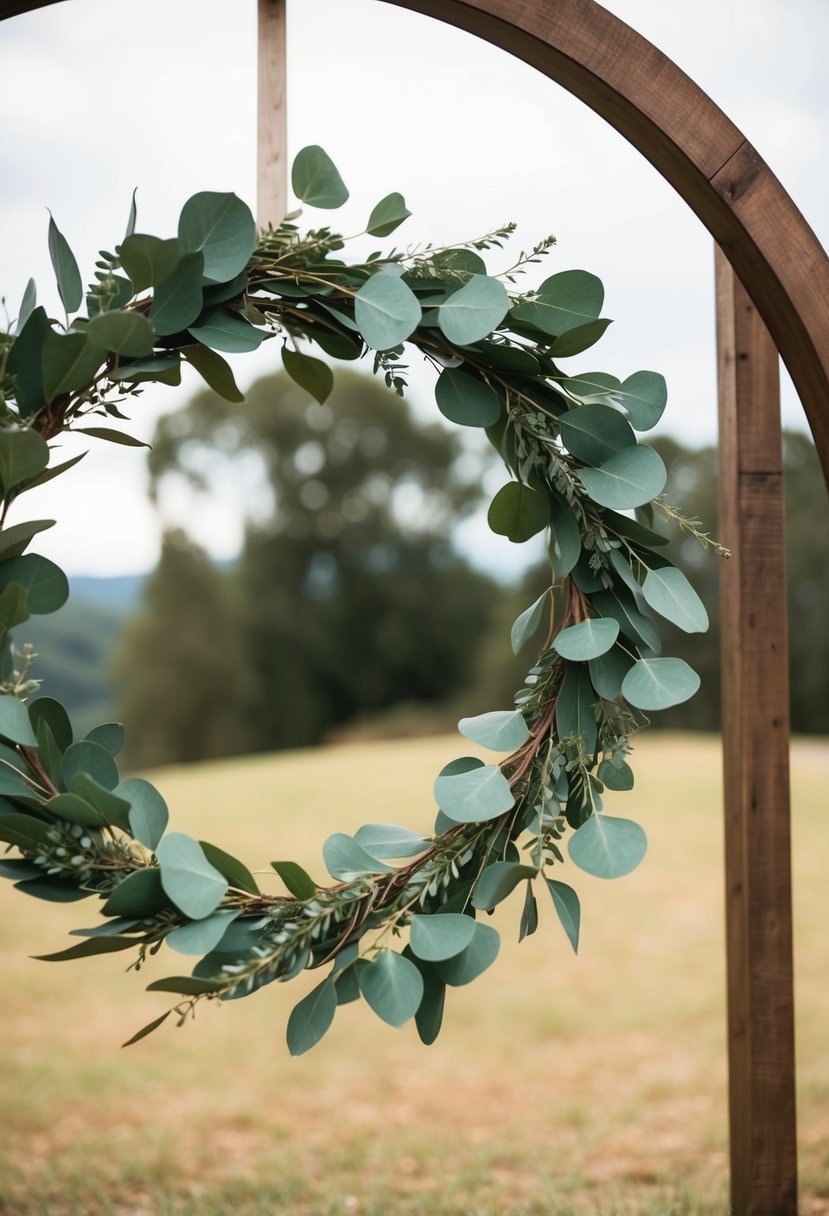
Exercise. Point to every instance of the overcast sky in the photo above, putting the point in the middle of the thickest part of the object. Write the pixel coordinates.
(99, 96)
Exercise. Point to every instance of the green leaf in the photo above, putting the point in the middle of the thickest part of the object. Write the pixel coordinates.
(311, 374)
(312, 1017)
(148, 814)
(46, 586)
(622, 525)
(644, 396)
(608, 847)
(53, 890)
(75, 809)
(92, 759)
(69, 362)
(459, 262)
(46, 709)
(608, 671)
(299, 883)
(564, 302)
(112, 808)
(23, 455)
(227, 331)
(637, 628)
(111, 736)
(70, 287)
(185, 985)
(587, 640)
(386, 311)
(23, 830)
(14, 722)
(565, 538)
(389, 214)
(429, 1016)
(24, 362)
(214, 370)
(392, 986)
(567, 906)
(529, 914)
(236, 873)
(315, 180)
(590, 385)
(201, 936)
(106, 434)
(435, 938)
(525, 625)
(27, 305)
(14, 540)
(147, 1030)
(389, 840)
(500, 730)
(49, 754)
(347, 860)
(191, 882)
(140, 895)
(577, 340)
(473, 312)
(13, 610)
(132, 219)
(177, 300)
(466, 400)
(475, 796)
(465, 967)
(163, 369)
(669, 593)
(616, 775)
(221, 227)
(594, 433)
(575, 707)
(659, 683)
(122, 332)
(518, 512)
(630, 478)
(88, 947)
(499, 880)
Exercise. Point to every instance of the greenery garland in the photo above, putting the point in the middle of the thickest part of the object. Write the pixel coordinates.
(569, 443)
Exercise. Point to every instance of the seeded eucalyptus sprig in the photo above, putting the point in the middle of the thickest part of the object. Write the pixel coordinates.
(76, 830)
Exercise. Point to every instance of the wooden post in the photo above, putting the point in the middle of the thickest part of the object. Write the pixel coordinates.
(755, 702)
(272, 144)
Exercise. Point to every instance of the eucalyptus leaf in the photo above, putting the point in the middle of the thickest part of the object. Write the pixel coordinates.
(435, 938)
(67, 275)
(387, 215)
(148, 814)
(311, 1018)
(236, 873)
(315, 179)
(575, 341)
(15, 539)
(568, 909)
(474, 797)
(299, 883)
(644, 396)
(346, 860)
(386, 311)
(110, 735)
(45, 584)
(594, 433)
(47, 709)
(24, 363)
(499, 879)
(23, 455)
(221, 228)
(608, 670)
(124, 333)
(311, 374)
(632, 477)
(228, 332)
(391, 985)
(525, 625)
(565, 538)
(616, 776)
(575, 707)
(177, 300)
(201, 936)
(214, 370)
(14, 722)
(148, 260)
(465, 967)
(659, 683)
(518, 512)
(563, 302)
(389, 840)
(27, 305)
(140, 895)
(69, 362)
(466, 400)
(587, 640)
(191, 882)
(608, 847)
(90, 758)
(669, 593)
(499, 730)
(474, 311)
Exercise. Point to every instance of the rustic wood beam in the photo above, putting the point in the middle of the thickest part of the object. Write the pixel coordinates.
(755, 700)
(272, 141)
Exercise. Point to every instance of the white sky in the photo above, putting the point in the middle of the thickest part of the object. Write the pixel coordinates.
(99, 96)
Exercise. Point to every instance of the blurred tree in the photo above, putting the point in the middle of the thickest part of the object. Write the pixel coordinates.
(347, 598)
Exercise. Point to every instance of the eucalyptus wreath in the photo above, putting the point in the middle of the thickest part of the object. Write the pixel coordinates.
(75, 830)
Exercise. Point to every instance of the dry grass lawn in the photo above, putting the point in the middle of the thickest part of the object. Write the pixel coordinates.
(559, 1085)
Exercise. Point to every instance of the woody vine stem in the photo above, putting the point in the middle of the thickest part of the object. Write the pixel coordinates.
(74, 829)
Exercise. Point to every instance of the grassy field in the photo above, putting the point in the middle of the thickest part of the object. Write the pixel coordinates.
(559, 1085)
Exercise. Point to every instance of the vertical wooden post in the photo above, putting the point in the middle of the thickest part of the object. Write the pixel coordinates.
(272, 145)
(756, 760)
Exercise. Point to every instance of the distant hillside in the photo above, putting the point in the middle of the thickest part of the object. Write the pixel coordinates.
(75, 646)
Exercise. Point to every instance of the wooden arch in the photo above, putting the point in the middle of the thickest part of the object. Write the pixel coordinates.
(772, 278)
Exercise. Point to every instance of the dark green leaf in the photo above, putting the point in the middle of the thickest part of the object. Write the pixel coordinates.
(139, 895)
(616, 775)
(148, 1029)
(429, 1016)
(148, 260)
(575, 707)
(13, 609)
(565, 538)
(389, 214)
(475, 311)
(27, 305)
(14, 540)
(529, 914)
(214, 370)
(185, 985)
(14, 722)
(644, 396)
(192, 883)
(630, 478)
(236, 873)
(177, 300)
(608, 671)
(298, 882)
(23, 455)
(499, 880)
(70, 287)
(311, 374)
(636, 627)
(69, 362)
(115, 810)
(25, 363)
(46, 586)
(53, 890)
(311, 1018)
(465, 399)
(111, 736)
(518, 512)
(577, 340)
(148, 814)
(23, 830)
(75, 809)
(123, 333)
(566, 903)
(391, 985)
(564, 302)
(92, 759)
(594, 433)
(221, 227)
(608, 847)
(386, 311)
(315, 180)
(465, 967)
(46, 709)
(227, 331)
(88, 947)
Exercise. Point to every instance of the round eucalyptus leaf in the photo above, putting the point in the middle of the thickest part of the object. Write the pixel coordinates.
(222, 229)
(644, 396)
(434, 938)
(148, 814)
(389, 840)
(669, 593)
(630, 478)
(594, 433)
(386, 311)
(391, 985)
(608, 670)
(311, 1018)
(188, 878)
(124, 333)
(315, 179)
(607, 847)
(616, 776)
(388, 214)
(466, 400)
(518, 512)
(465, 967)
(475, 311)
(659, 683)
(499, 879)
(345, 859)
(500, 730)
(565, 301)
(201, 936)
(476, 796)
(587, 640)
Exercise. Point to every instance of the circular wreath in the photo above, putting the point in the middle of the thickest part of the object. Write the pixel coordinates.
(576, 465)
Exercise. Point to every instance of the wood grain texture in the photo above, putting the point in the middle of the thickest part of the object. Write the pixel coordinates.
(272, 116)
(755, 691)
